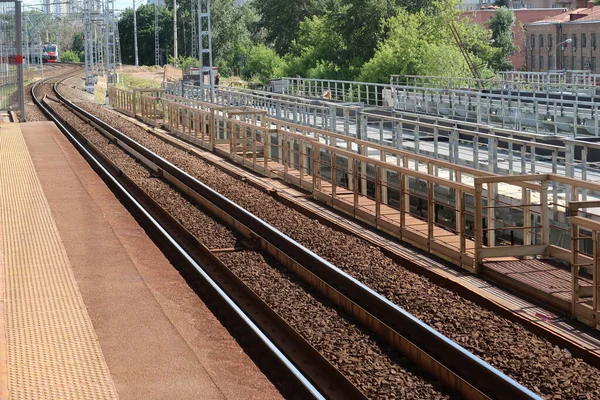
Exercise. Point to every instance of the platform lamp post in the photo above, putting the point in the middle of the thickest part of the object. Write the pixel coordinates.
(556, 52)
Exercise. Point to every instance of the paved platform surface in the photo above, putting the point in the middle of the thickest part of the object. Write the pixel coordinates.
(150, 335)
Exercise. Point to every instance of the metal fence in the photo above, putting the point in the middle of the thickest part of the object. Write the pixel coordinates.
(11, 58)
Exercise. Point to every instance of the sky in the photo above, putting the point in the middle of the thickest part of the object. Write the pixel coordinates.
(119, 4)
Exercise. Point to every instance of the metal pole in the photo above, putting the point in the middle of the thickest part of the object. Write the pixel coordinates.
(20, 80)
(176, 62)
(156, 36)
(107, 52)
(135, 44)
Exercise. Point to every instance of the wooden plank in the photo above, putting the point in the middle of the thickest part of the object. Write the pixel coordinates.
(585, 222)
(512, 251)
(512, 178)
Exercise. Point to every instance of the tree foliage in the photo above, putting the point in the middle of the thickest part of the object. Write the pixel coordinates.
(262, 63)
(501, 24)
(339, 39)
(145, 28)
(280, 19)
(418, 44)
(69, 56)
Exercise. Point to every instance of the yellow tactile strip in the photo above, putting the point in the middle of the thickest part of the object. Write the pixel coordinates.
(53, 351)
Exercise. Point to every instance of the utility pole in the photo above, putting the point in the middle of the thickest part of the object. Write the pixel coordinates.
(137, 61)
(175, 33)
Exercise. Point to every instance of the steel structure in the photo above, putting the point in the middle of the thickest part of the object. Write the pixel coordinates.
(193, 15)
(207, 73)
(101, 42)
(90, 79)
(135, 42)
(12, 95)
(175, 55)
(156, 36)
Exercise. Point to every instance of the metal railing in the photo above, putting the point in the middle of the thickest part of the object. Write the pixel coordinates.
(368, 94)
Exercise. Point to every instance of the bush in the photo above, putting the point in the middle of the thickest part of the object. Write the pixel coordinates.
(69, 57)
(262, 63)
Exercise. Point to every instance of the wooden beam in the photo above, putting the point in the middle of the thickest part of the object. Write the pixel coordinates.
(516, 179)
(512, 251)
(585, 222)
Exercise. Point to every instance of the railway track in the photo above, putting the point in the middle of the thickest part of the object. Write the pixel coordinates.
(509, 347)
(447, 362)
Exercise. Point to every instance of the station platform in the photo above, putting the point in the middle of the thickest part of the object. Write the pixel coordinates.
(89, 306)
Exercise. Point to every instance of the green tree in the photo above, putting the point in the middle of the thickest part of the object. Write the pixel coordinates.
(262, 63)
(145, 25)
(317, 47)
(69, 57)
(231, 31)
(280, 19)
(501, 24)
(418, 44)
(78, 45)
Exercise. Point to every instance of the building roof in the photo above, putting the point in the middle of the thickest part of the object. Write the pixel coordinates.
(592, 15)
(584, 14)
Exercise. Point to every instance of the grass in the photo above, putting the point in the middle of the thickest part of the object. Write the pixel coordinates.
(140, 83)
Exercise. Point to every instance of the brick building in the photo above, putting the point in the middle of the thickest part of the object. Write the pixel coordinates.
(522, 17)
(471, 5)
(544, 38)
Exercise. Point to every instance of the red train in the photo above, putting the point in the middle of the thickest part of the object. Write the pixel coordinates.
(50, 53)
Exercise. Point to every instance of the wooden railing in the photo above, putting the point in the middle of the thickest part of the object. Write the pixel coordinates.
(137, 103)
(458, 213)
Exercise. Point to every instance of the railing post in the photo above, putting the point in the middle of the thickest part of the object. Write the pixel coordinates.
(491, 214)
(574, 264)
(478, 225)
(316, 167)
(596, 277)
(462, 223)
(355, 185)
(525, 201)
(377, 195)
(333, 177)
(430, 213)
(545, 216)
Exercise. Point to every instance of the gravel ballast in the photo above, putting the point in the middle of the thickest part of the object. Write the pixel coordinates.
(376, 369)
(522, 355)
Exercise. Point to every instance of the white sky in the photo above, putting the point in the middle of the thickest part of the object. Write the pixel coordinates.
(119, 4)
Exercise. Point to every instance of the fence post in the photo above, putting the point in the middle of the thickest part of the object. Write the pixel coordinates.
(478, 225)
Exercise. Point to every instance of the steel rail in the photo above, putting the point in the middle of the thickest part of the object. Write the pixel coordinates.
(110, 175)
(442, 358)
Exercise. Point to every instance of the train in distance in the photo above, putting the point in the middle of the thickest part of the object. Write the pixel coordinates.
(47, 51)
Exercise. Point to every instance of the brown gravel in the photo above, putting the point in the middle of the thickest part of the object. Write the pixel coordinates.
(376, 369)
(529, 359)
(32, 112)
